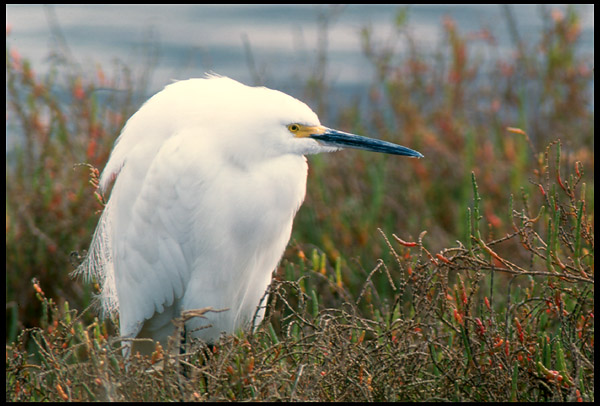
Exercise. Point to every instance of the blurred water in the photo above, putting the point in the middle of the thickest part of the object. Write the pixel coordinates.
(283, 39)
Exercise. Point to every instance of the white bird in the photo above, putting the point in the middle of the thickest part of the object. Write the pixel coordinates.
(208, 176)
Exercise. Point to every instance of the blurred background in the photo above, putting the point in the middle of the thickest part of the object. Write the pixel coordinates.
(252, 43)
(284, 40)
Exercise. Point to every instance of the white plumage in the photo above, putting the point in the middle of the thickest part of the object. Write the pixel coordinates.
(208, 175)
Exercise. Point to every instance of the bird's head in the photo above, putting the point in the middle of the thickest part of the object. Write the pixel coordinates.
(254, 123)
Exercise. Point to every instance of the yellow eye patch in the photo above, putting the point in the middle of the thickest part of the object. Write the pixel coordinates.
(303, 131)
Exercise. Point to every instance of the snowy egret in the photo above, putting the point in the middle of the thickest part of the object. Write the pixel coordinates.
(208, 175)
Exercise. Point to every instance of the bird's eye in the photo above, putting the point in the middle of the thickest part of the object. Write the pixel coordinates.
(294, 128)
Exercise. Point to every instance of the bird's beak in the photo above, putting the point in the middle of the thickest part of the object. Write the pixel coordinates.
(340, 139)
